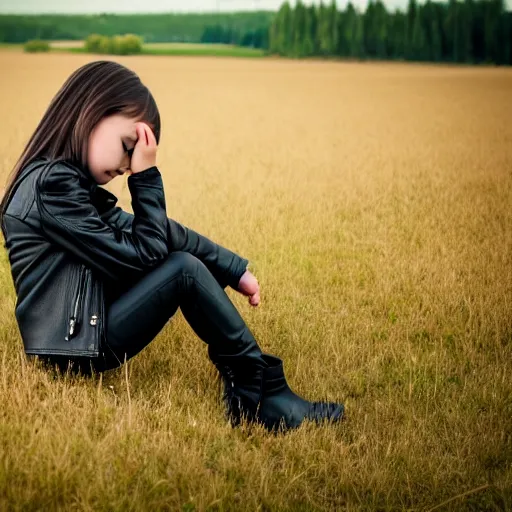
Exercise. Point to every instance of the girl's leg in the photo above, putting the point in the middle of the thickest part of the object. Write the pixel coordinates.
(254, 383)
(137, 316)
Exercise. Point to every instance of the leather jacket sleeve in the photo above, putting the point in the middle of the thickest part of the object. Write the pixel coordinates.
(225, 265)
(69, 219)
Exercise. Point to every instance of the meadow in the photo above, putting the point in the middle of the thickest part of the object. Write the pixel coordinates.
(174, 49)
(373, 201)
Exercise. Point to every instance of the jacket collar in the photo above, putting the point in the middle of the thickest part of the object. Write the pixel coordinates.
(101, 198)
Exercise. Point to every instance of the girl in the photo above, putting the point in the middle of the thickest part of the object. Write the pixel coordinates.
(95, 284)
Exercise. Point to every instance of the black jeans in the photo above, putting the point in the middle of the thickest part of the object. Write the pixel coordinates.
(139, 314)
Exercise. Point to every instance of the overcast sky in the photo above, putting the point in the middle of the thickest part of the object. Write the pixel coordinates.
(125, 6)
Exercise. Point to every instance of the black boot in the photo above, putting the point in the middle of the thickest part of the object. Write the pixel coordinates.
(281, 408)
(242, 376)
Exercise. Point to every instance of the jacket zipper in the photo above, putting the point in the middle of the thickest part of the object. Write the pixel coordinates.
(77, 309)
(94, 318)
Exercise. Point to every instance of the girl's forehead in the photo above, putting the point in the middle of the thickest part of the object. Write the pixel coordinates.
(124, 119)
(124, 123)
(120, 122)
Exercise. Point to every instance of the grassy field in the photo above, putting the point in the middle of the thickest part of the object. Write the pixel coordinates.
(374, 204)
(175, 49)
(171, 49)
(11, 46)
(218, 50)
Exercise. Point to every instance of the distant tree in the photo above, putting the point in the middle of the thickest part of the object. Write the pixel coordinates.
(93, 43)
(333, 27)
(358, 41)
(255, 39)
(397, 35)
(506, 27)
(341, 44)
(151, 27)
(436, 37)
(470, 31)
(36, 45)
(381, 30)
(452, 28)
(493, 11)
(275, 34)
(418, 42)
(281, 31)
(460, 31)
(127, 44)
(467, 11)
(309, 45)
(409, 26)
(313, 27)
(327, 28)
(105, 45)
(299, 29)
(320, 29)
(375, 29)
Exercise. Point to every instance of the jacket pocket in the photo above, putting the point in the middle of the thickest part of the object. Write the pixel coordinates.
(77, 304)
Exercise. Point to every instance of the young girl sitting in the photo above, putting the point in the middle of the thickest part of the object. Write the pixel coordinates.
(96, 284)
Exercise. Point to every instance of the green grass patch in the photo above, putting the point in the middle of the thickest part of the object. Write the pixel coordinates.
(68, 50)
(203, 49)
(11, 46)
(199, 50)
(177, 49)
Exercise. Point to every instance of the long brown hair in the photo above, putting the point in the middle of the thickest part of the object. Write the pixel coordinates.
(94, 91)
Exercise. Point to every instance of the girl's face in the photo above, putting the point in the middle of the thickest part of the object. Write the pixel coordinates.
(111, 146)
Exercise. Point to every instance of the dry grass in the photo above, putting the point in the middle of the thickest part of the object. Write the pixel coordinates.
(374, 202)
(67, 44)
(179, 46)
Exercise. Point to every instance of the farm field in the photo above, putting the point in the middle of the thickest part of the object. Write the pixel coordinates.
(198, 49)
(374, 204)
(170, 49)
(175, 49)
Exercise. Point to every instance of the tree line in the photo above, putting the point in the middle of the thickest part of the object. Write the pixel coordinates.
(467, 31)
(256, 38)
(241, 28)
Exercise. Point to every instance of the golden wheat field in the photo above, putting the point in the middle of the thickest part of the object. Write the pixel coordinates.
(374, 204)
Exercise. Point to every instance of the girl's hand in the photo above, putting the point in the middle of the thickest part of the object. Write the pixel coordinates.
(144, 152)
(248, 285)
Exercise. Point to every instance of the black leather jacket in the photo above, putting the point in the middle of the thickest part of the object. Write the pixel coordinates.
(71, 250)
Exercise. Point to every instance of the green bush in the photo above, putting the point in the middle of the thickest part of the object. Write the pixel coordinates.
(116, 45)
(105, 45)
(131, 44)
(36, 45)
(127, 44)
(93, 43)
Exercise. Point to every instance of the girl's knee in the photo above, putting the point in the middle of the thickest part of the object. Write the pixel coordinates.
(185, 261)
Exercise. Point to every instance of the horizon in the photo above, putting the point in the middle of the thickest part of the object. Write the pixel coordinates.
(34, 7)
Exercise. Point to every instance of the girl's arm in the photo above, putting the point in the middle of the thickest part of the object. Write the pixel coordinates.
(225, 265)
(69, 219)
